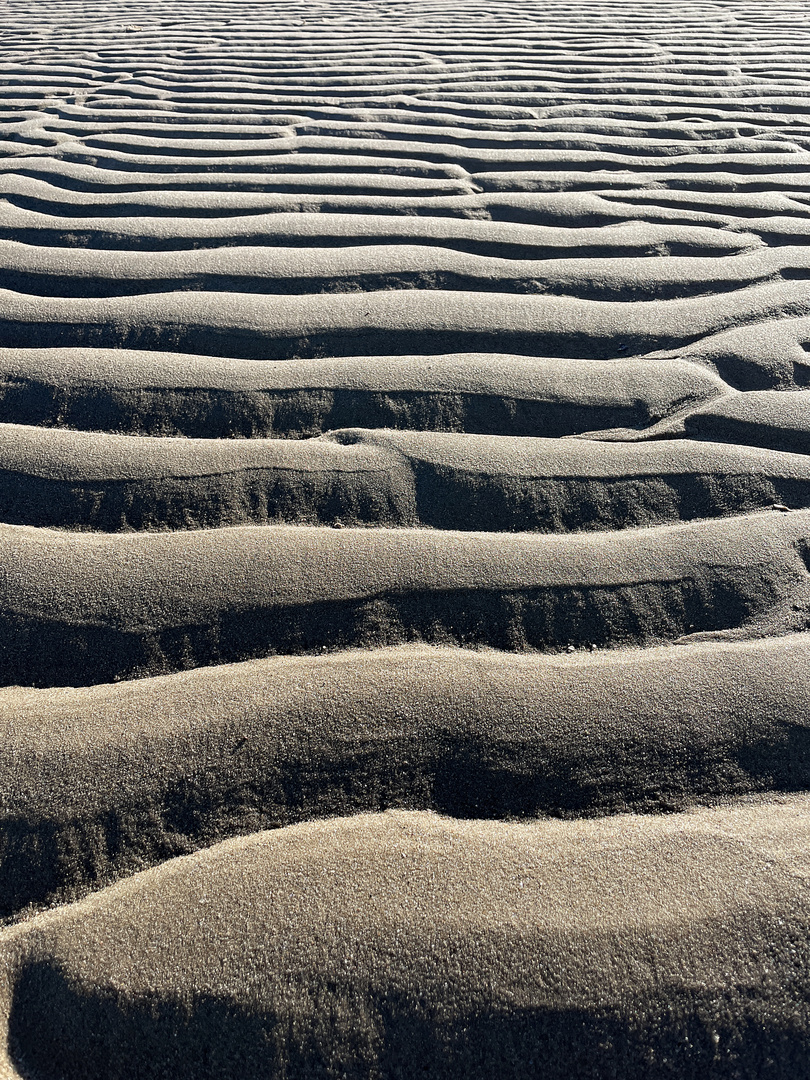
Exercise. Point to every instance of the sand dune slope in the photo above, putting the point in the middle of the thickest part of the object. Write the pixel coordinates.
(78, 480)
(82, 608)
(142, 771)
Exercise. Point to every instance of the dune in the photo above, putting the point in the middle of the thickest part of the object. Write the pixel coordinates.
(154, 393)
(55, 477)
(78, 608)
(404, 541)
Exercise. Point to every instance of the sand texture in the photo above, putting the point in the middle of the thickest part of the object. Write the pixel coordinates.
(404, 540)
(627, 946)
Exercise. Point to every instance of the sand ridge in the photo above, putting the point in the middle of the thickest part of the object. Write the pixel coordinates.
(109, 606)
(355, 476)
(144, 770)
(444, 942)
(158, 393)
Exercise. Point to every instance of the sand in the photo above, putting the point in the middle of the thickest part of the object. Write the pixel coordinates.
(411, 943)
(404, 541)
(154, 393)
(80, 608)
(77, 480)
(148, 769)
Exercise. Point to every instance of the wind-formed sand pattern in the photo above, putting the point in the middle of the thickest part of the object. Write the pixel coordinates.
(404, 540)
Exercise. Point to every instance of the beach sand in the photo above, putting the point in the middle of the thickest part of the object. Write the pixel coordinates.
(404, 541)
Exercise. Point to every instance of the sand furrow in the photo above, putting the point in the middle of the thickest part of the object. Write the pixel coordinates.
(283, 228)
(587, 175)
(375, 143)
(575, 209)
(771, 353)
(57, 271)
(394, 322)
(416, 158)
(764, 418)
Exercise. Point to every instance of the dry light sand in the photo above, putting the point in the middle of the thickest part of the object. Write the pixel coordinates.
(405, 540)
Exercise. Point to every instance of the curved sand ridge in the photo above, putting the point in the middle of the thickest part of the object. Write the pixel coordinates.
(208, 397)
(77, 480)
(759, 418)
(94, 273)
(102, 607)
(360, 943)
(146, 770)
(404, 409)
(388, 321)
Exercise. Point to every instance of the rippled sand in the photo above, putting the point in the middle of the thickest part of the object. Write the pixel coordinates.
(404, 540)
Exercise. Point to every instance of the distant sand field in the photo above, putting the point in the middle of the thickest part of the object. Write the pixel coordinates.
(405, 540)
